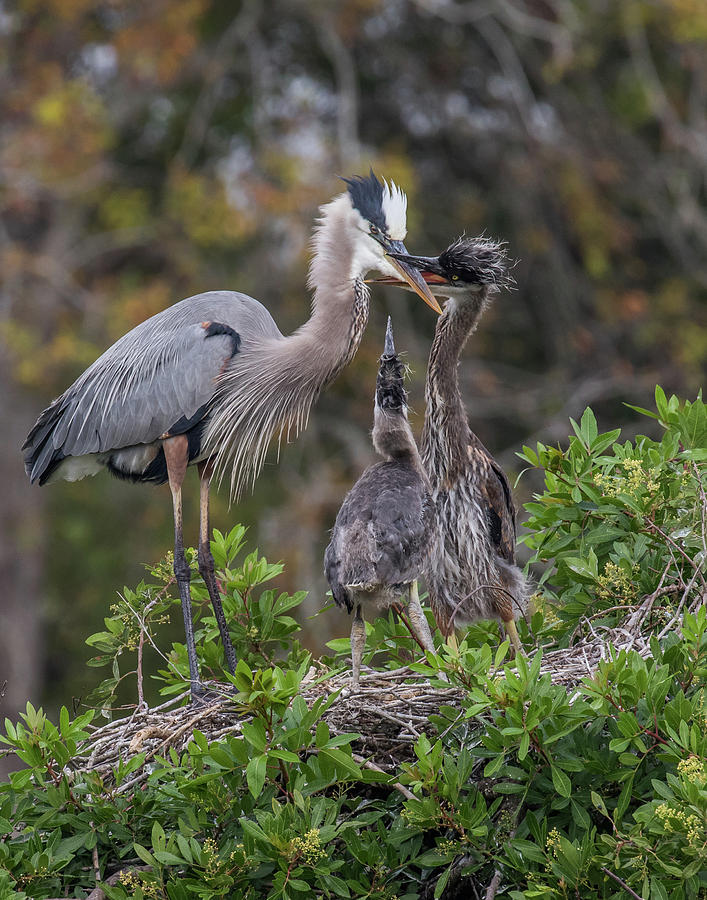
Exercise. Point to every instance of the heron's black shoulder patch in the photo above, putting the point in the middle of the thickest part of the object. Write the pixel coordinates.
(366, 192)
(213, 328)
(186, 423)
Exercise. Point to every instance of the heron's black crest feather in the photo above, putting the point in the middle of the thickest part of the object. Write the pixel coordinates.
(366, 192)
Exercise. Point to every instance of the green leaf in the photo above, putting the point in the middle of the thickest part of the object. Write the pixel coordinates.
(494, 765)
(342, 761)
(254, 733)
(255, 774)
(168, 859)
(580, 815)
(145, 855)
(561, 782)
(501, 653)
(588, 426)
(442, 883)
(598, 803)
(624, 799)
(524, 746)
(661, 403)
(159, 839)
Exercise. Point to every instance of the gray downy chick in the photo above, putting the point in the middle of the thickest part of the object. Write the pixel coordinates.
(381, 540)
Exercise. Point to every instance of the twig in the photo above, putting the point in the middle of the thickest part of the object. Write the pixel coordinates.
(703, 498)
(367, 764)
(375, 711)
(96, 862)
(493, 885)
(677, 612)
(621, 882)
(399, 610)
(673, 543)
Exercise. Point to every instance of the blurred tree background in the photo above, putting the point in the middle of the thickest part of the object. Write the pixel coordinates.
(149, 151)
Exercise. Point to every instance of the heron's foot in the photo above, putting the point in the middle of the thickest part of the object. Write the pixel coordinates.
(209, 694)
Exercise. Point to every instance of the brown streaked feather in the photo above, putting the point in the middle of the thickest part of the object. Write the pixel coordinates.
(498, 500)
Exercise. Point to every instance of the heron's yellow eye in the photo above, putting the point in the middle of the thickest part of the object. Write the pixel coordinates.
(455, 278)
(374, 229)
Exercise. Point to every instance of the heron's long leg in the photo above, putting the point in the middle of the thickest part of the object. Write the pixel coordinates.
(512, 632)
(206, 564)
(418, 621)
(358, 642)
(176, 454)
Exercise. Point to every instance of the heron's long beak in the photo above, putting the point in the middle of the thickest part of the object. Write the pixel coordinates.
(411, 275)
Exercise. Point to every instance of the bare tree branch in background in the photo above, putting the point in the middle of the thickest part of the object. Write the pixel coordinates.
(347, 87)
(693, 139)
(219, 62)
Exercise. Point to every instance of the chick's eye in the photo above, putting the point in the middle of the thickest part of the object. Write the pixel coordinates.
(374, 229)
(455, 278)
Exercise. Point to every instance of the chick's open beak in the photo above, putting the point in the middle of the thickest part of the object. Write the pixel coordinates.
(412, 276)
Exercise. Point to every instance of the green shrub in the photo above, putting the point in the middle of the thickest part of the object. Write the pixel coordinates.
(599, 791)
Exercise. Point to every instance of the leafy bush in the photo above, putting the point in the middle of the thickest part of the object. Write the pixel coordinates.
(522, 787)
(620, 522)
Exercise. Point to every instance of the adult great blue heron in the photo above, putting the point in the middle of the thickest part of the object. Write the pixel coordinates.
(472, 572)
(382, 533)
(211, 380)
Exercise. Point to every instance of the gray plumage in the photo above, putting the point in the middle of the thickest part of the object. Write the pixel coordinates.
(471, 573)
(381, 538)
(151, 382)
(211, 380)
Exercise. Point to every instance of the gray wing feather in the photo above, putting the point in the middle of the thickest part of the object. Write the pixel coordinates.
(127, 401)
(383, 529)
(160, 371)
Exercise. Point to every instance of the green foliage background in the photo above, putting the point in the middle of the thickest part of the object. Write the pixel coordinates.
(596, 791)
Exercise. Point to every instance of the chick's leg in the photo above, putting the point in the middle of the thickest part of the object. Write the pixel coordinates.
(358, 642)
(417, 618)
(512, 632)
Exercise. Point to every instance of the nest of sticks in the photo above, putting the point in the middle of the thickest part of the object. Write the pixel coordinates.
(388, 712)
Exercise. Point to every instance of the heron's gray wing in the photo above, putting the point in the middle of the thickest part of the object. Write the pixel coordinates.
(498, 502)
(383, 528)
(133, 394)
(403, 517)
(333, 569)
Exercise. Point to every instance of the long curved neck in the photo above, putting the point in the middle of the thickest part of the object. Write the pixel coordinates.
(340, 307)
(270, 386)
(446, 433)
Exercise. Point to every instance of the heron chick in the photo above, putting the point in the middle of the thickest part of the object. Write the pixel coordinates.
(471, 573)
(381, 538)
